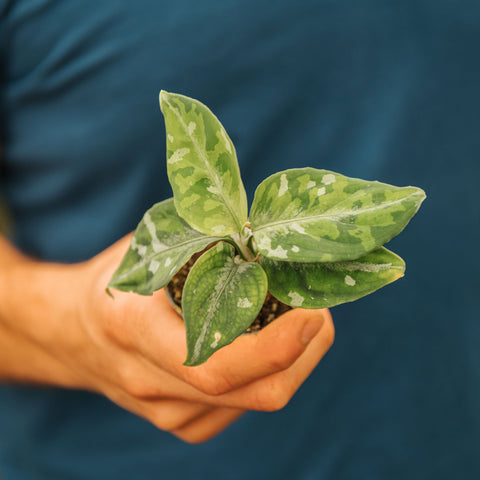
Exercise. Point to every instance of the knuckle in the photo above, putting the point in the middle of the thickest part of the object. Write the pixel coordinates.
(168, 423)
(143, 391)
(210, 383)
(114, 331)
(122, 324)
(136, 389)
(273, 396)
(281, 362)
(136, 385)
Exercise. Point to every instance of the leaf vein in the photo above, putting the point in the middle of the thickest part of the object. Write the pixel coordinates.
(218, 184)
(223, 281)
(322, 216)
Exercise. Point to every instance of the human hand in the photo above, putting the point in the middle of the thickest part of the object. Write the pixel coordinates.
(131, 349)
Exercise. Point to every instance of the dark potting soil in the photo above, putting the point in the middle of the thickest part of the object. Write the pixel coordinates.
(272, 308)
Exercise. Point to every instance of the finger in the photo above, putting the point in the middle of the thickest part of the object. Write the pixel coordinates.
(167, 415)
(274, 349)
(266, 394)
(171, 415)
(161, 338)
(274, 392)
(207, 426)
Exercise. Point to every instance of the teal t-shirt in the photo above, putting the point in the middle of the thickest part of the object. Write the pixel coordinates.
(374, 89)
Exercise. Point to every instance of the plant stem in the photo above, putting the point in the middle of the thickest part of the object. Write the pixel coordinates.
(240, 243)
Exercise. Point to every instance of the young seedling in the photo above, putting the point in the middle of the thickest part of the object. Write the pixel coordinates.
(313, 237)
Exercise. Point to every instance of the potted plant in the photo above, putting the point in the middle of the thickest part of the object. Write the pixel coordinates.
(313, 238)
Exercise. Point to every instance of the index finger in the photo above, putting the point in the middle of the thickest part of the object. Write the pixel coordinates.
(248, 358)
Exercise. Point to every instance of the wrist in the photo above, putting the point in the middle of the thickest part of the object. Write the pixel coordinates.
(39, 328)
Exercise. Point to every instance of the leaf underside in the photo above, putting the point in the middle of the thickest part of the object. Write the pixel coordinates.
(322, 285)
(221, 298)
(160, 246)
(202, 167)
(311, 215)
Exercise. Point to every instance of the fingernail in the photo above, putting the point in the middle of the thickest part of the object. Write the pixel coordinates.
(311, 329)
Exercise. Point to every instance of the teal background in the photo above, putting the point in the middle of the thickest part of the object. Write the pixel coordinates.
(374, 89)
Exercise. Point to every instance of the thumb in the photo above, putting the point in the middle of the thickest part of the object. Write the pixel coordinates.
(273, 349)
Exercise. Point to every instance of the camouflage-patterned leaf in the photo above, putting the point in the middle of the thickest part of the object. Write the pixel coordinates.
(222, 297)
(160, 246)
(321, 285)
(310, 215)
(202, 167)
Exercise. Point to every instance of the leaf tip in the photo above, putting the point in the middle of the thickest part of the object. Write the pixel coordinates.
(109, 292)
(162, 95)
(163, 98)
(192, 363)
(419, 195)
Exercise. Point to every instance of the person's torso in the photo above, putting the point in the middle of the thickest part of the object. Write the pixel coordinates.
(379, 90)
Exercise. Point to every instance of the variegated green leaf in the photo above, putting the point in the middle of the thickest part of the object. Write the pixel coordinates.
(321, 285)
(310, 215)
(202, 167)
(222, 297)
(160, 246)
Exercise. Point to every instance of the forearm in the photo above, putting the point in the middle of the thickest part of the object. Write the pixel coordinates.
(32, 320)
(22, 361)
